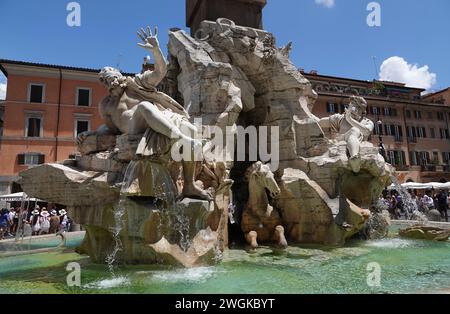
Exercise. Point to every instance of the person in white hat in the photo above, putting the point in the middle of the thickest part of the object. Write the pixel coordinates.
(35, 222)
(63, 220)
(44, 221)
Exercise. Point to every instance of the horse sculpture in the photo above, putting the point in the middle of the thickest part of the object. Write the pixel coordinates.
(259, 220)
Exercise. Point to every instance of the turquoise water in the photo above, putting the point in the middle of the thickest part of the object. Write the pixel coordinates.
(407, 266)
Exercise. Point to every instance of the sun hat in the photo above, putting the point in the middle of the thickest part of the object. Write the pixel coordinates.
(45, 213)
(53, 213)
(35, 212)
(62, 212)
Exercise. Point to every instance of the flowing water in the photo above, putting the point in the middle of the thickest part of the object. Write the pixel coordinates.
(410, 206)
(174, 223)
(407, 266)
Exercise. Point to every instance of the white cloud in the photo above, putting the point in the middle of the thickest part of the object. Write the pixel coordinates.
(397, 69)
(326, 3)
(2, 91)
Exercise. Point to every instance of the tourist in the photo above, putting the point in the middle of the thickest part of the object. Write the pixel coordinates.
(44, 222)
(428, 201)
(399, 208)
(442, 204)
(63, 220)
(34, 221)
(16, 220)
(54, 222)
(12, 221)
(4, 217)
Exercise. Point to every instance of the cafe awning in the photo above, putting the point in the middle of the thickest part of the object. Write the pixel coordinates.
(18, 197)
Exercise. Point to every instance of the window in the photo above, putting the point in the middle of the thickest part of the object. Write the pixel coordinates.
(430, 115)
(444, 134)
(440, 116)
(33, 127)
(387, 111)
(421, 132)
(36, 93)
(446, 157)
(418, 115)
(424, 158)
(378, 130)
(31, 159)
(432, 133)
(396, 158)
(435, 157)
(394, 113)
(83, 97)
(342, 108)
(408, 114)
(331, 108)
(376, 111)
(398, 133)
(81, 126)
(414, 160)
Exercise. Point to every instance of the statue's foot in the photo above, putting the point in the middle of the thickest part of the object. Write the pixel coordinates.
(196, 193)
(355, 163)
(252, 239)
(281, 239)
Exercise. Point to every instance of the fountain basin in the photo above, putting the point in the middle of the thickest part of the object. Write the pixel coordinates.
(407, 266)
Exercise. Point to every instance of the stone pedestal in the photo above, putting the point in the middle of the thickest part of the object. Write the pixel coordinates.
(242, 12)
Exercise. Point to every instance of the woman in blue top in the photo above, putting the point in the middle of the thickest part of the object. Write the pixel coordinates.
(4, 225)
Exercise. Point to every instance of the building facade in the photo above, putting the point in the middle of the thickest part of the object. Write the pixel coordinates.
(46, 107)
(413, 130)
(440, 97)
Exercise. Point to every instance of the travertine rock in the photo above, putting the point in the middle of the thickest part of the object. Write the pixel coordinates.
(63, 185)
(311, 216)
(434, 215)
(97, 143)
(101, 162)
(425, 233)
(203, 251)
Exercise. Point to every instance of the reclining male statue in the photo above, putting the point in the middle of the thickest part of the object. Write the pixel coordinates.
(352, 127)
(134, 106)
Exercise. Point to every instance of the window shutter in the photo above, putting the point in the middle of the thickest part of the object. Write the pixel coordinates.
(21, 159)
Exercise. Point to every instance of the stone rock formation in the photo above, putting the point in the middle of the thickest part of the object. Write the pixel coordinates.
(125, 189)
(231, 75)
(420, 232)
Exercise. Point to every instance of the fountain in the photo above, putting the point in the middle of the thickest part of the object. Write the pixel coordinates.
(140, 206)
(122, 187)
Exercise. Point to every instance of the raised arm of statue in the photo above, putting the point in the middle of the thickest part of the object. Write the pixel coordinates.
(151, 79)
(365, 126)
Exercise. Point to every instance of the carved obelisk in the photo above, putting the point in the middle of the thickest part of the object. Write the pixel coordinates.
(242, 12)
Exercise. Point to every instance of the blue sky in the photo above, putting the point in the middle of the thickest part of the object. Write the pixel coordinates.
(333, 39)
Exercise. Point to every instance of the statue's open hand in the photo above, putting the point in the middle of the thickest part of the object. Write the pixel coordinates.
(82, 137)
(149, 39)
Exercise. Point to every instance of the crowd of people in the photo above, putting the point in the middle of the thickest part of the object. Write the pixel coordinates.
(424, 202)
(38, 222)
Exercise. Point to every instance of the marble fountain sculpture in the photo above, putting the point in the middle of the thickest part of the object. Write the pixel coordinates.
(139, 205)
